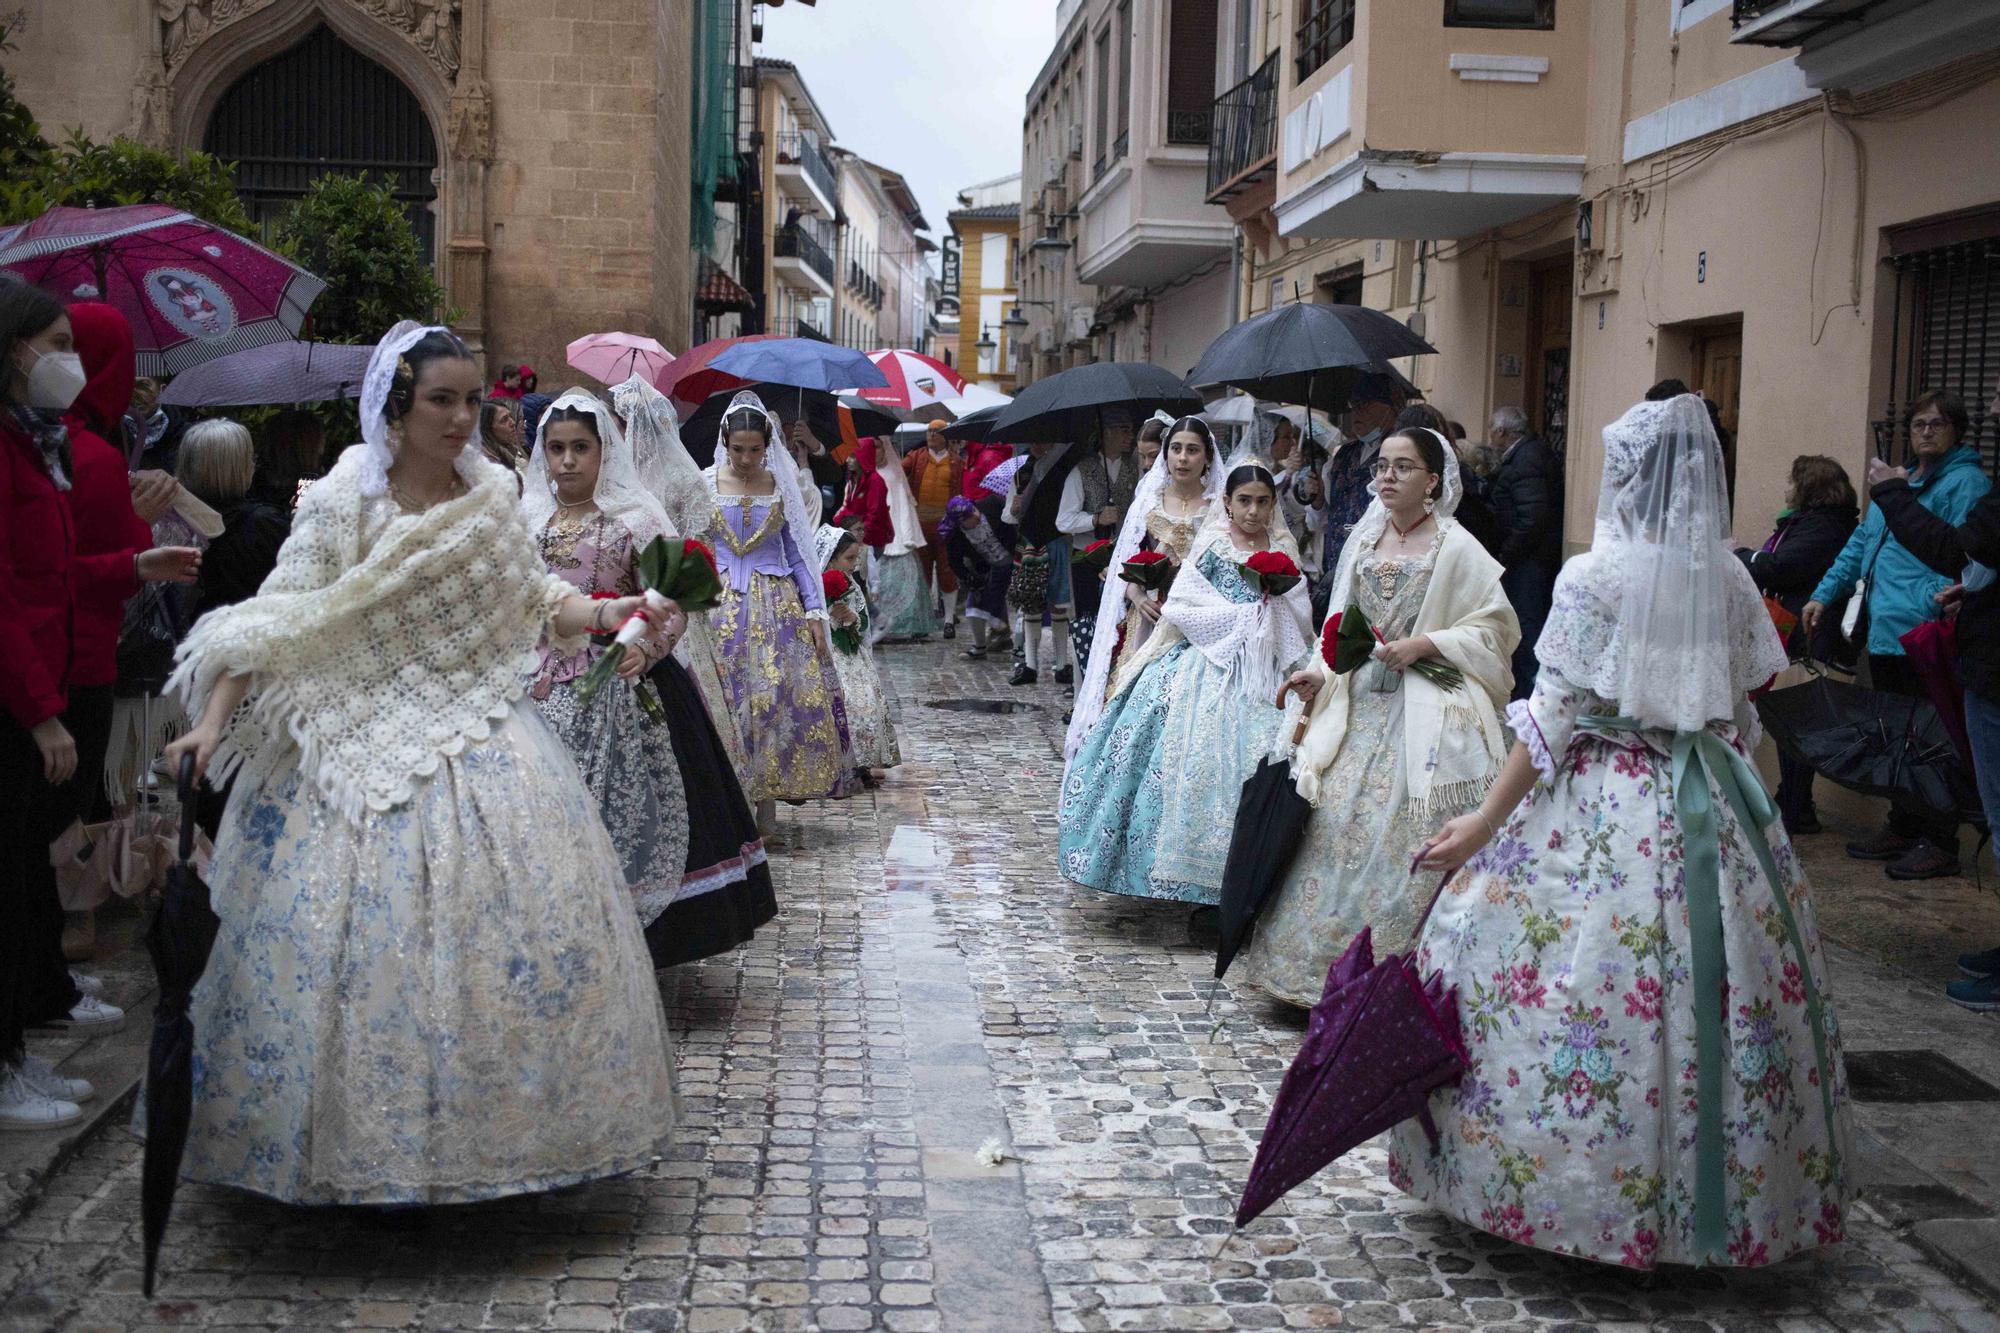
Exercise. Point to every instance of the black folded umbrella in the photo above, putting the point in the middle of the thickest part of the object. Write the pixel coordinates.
(1070, 406)
(1871, 741)
(1270, 823)
(1308, 354)
(179, 938)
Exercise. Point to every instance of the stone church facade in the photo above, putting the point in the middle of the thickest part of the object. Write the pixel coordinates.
(543, 143)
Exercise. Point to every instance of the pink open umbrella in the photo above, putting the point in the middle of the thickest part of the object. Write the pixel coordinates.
(191, 290)
(614, 358)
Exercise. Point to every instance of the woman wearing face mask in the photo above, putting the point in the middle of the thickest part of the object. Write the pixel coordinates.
(1147, 802)
(1388, 753)
(591, 520)
(771, 623)
(44, 579)
(430, 985)
(1169, 507)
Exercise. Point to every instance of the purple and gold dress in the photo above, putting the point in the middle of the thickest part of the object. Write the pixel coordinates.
(780, 688)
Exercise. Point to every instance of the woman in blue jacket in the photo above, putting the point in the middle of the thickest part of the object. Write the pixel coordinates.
(1919, 842)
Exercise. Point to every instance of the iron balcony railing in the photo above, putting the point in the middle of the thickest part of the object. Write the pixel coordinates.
(796, 149)
(795, 242)
(1245, 130)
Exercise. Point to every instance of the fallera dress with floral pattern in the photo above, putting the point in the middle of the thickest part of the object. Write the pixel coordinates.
(627, 760)
(1568, 939)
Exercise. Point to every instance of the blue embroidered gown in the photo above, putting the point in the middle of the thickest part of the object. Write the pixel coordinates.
(1150, 800)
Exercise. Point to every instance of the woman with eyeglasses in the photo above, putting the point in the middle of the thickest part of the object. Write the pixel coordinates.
(1389, 753)
(1898, 592)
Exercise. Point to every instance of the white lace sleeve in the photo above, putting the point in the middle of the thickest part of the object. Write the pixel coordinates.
(1546, 719)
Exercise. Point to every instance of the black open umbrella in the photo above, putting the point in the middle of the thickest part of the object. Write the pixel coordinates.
(1307, 354)
(977, 427)
(179, 938)
(868, 418)
(1270, 823)
(1870, 741)
(1070, 406)
(821, 411)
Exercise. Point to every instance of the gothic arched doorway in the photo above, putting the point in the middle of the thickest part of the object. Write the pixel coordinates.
(319, 108)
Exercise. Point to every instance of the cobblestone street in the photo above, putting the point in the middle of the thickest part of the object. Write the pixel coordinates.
(929, 986)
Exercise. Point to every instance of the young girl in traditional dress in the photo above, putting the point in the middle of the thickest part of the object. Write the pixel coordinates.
(430, 985)
(696, 896)
(980, 547)
(771, 621)
(872, 736)
(1169, 507)
(1148, 801)
(1388, 752)
(1655, 1072)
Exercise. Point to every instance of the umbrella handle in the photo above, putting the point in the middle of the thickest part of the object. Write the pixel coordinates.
(184, 789)
(1305, 719)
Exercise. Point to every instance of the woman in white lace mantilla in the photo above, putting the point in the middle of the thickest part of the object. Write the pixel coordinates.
(1147, 803)
(1172, 502)
(1388, 753)
(430, 985)
(1655, 1072)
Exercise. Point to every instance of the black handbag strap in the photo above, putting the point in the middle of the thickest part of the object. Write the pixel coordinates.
(185, 788)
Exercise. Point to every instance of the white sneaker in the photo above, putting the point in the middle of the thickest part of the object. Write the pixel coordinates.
(40, 1075)
(90, 1015)
(22, 1107)
(86, 983)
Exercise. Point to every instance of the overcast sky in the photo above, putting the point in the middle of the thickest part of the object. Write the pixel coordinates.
(934, 89)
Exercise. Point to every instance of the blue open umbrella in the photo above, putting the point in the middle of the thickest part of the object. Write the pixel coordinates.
(802, 363)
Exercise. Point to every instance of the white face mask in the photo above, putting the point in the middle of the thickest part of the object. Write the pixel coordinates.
(55, 381)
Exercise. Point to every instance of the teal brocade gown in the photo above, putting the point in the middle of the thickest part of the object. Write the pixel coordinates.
(1150, 800)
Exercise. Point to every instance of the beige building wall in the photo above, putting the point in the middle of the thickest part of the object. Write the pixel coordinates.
(561, 129)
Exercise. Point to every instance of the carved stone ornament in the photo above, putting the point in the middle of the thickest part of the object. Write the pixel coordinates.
(471, 130)
(430, 25)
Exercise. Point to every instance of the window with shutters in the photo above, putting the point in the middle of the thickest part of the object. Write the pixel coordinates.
(1325, 27)
(1946, 330)
(1499, 13)
(1190, 70)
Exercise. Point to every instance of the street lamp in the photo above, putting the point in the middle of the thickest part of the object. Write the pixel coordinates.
(986, 343)
(1049, 251)
(1016, 323)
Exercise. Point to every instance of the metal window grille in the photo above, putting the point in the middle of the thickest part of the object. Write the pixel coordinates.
(1325, 26)
(1500, 13)
(1946, 335)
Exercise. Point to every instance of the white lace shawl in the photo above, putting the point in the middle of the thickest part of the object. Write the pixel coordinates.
(1452, 741)
(1254, 643)
(379, 664)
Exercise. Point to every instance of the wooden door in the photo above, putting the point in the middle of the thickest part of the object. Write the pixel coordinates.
(1550, 305)
(1718, 376)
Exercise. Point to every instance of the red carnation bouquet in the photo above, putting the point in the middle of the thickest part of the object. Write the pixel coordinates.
(1093, 559)
(835, 585)
(1271, 573)
(682, 572)
(1150, 571)
(1347, 640)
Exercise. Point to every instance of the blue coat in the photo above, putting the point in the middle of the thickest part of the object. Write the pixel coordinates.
(1900, 586)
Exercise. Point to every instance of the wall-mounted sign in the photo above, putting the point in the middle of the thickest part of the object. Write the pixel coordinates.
(952, 260)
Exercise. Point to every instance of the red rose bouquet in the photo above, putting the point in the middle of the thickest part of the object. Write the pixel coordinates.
(1149, 571)
(682, 572)
(1347, 640)
(836, 585)
(1093, 559)
(1271, 573)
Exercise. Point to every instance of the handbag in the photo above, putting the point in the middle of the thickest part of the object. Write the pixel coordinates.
(1028, 589)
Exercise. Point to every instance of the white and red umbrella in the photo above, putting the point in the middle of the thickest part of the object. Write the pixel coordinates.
(191, 290)
(614, 358)
(915, 380)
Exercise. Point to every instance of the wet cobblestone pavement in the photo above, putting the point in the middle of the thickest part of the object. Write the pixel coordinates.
(930, 985)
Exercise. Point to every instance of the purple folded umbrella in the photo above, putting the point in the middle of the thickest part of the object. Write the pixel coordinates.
(1379, 1042)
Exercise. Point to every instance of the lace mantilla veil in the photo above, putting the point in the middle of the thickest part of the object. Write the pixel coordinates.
(620, 493)
(378, 453)
(1089, 704)
(664, 467)
(1660, 615)
(1368, 530)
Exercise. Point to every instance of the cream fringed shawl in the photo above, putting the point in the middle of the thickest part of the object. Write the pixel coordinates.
(1452, 742)
(379, 664)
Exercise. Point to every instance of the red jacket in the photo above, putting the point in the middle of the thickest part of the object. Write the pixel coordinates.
(101, 502)
(37, 545)
(868, 499)
(981, 459)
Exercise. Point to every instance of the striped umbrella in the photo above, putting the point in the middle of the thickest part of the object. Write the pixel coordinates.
(191, 291)
(915, 380)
